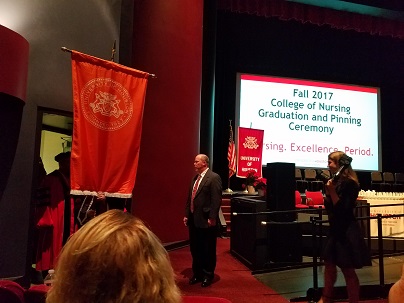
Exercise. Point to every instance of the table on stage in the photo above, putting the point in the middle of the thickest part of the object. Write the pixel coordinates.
(391, 227)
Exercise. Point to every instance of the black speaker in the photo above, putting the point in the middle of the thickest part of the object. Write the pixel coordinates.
(248, 238)
(285, 243)
(281, 190)
(10, 124)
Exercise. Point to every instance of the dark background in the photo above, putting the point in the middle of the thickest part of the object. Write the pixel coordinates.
(268, 46)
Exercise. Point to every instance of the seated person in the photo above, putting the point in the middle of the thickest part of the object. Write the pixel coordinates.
(114, 257)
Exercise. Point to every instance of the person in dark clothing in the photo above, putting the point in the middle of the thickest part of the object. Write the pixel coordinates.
(54, 217)
(201, 217)
(87, 207)
(345, 247)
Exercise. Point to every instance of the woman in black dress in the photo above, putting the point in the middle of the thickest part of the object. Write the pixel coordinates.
(345, 246)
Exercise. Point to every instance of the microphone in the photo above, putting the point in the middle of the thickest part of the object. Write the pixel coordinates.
(322, 176)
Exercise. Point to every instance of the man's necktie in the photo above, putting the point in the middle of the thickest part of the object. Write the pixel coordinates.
(194, 192)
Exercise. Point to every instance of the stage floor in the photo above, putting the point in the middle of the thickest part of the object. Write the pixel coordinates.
(294, 283)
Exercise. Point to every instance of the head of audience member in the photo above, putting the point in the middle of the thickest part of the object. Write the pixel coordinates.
(114, 258)
(396, 292)
(64, 162)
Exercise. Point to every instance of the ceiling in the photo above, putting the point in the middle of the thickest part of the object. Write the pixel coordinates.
(390, 9)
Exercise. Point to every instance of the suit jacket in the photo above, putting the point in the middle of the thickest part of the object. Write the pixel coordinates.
(207, 199)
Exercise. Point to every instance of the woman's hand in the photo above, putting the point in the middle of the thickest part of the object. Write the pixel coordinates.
(101, 196)
(329, 187)
(330, 191)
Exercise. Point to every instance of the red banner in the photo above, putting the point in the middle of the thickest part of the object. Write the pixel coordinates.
(250, 142)
(108, 113)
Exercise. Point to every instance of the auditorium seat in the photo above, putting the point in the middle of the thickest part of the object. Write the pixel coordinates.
(298, 201)
(310, 175)
(11, 292)
(398, 185)
(301, 185)
(314, 199)
(388, 178)
(36, 294)
(377, 183)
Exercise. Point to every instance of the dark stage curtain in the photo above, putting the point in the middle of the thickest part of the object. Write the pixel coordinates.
(316, 15)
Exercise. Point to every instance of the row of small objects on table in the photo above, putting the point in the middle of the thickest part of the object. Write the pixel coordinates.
(371, 194)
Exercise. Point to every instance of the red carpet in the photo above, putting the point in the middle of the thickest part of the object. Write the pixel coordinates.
(233, 281)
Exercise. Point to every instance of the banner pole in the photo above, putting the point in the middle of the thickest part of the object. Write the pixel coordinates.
(67, 50)
(228, 190)
(113, 51)
(230, 157)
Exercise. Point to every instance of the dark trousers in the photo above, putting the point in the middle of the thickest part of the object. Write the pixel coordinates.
(202, 242)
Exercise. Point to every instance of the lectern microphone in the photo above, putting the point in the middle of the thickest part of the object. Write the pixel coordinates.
(322, 176)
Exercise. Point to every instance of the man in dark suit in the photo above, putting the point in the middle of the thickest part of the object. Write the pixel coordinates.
(201, 217)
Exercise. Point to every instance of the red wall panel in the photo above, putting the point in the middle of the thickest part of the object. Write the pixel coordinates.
(14, 53)
(167, 41)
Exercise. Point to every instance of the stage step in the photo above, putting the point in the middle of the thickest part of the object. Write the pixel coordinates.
(226, 210)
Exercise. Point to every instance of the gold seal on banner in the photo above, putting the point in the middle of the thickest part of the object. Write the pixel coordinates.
(250, 143)
(106, 104)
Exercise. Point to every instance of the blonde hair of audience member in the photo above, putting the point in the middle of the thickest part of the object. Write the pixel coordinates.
(114, 258)
(396, 292)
